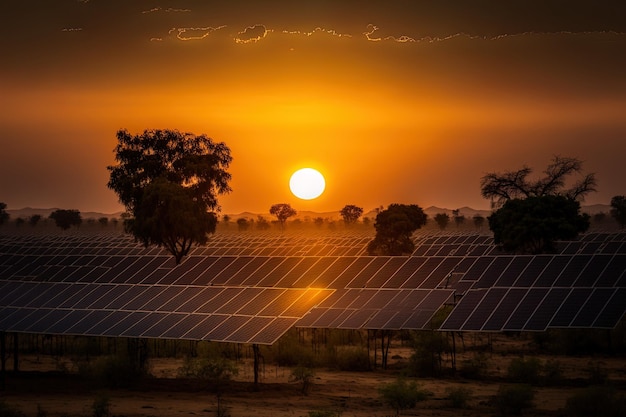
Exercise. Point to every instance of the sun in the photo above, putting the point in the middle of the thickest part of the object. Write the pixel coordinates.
(307, 183)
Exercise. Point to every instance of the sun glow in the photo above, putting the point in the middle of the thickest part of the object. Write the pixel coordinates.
(307, 183)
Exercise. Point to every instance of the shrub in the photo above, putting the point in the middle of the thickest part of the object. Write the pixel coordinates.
(215, 371)
(401, 395)
(113, 371)
(101, 407)
(459, 397)
(596, 401)
(8, 411)
(552, 372)
(512, 399)
(525, 370)
(474, 368)
(349, 359)
(305, 376)
(598, 375)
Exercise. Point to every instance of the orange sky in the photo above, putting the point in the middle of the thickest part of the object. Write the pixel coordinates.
(413, 112)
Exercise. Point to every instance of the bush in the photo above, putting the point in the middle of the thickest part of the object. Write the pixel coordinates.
(512, 399)
(474, 368)
(305, 376)
(401, 395)
(354, 359)
(113, 371)
(215, 371)
(596, 401)
(8, 411)
(101, 407)
(552, 372)
(459, 397)
(525, 370)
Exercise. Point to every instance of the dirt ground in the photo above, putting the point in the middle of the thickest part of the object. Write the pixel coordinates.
(40, 391)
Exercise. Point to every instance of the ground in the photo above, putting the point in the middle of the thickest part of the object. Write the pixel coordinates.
(41, 390)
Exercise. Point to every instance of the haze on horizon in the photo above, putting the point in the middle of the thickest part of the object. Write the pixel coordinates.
(397, 101)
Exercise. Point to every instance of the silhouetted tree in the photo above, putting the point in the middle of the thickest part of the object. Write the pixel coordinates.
(262, 223)
(531, 215)
(442, 220)
(394, 227)
(501, 187)
(66, 218)
(533, 224)
(34, 219)
(479, 221)
(104, 221)
(318, 221)
(226, 220)
(351, 213)
(243, 224)
(20, 221)
(599, 217)
(4, 216)
(282, 211)
(459, 219)
(169, 182)
(618, 209)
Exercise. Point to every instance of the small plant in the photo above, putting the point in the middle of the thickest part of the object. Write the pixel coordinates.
(598, 375)
(401, 395)
(8, 411)
(459, 397)
(101, 407)
(304, 376)
(324, 413)
(512, 399)
(596, 401)
(474, 368)
(525, 370)
(552, 372)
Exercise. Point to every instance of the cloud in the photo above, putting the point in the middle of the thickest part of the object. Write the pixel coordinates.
(372, 29)
(316, 31)
(252, 34)
(193, 34)
(168, 10)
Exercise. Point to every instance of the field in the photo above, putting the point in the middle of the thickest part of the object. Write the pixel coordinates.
(40, 389)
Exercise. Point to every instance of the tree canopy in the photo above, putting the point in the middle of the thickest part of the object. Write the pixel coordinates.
(4, 216)
(351, 213)
(442, 220)
(531, 214)
(501, 187)
(533, 224)
(169, 183)
(66, 218)
(618, 209)
(282, 211)
(394, 227)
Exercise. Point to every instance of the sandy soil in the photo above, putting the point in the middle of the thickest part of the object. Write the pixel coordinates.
(351, 393)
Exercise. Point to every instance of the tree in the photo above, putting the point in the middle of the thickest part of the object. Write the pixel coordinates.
(282, 211)
(226, 219)
(243, 224)
(533, 224)
(531, 215)
(501, 187)
(351, 213)
(34, 219)
(169, 183)
(4, 216)
(66, 218)
(442, 220)
(394, 227)
(459, 219)
(479, 221)
(167, 216)
(618, 209)
(104, 221)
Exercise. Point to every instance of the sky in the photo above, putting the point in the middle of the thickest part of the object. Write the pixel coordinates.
(392, 101)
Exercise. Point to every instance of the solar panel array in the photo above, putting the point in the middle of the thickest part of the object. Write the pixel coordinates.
(253, 287)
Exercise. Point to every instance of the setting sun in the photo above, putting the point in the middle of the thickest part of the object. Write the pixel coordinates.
(307, 183)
